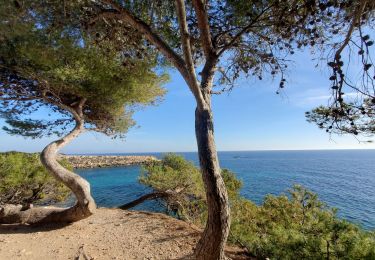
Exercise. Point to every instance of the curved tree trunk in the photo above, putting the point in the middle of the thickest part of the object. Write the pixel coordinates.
(85, 205)
(214, 237)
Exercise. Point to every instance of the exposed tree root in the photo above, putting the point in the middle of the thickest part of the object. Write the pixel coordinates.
(12, 214)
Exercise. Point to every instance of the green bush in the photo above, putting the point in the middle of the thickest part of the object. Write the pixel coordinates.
(298, 226)
(175, 173)
(293, 226)
(23, 180)
(171, 173)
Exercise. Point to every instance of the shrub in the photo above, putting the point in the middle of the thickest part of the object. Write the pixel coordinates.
(24, 180)
(174, 173)
(296, 225)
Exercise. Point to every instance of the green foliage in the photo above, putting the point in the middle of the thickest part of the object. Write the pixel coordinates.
(175, 173)
(171, 173)
(23, 179)
(298, 226)
(46, 65)
(232, 184)
(348, 118)
(293, 226)
(256, 37)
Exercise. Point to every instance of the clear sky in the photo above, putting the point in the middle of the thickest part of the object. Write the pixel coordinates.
(251, 117)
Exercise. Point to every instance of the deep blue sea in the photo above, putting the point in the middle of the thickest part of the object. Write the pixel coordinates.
(344, 179)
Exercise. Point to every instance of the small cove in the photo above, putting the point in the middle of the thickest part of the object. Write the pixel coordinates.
(344, 179)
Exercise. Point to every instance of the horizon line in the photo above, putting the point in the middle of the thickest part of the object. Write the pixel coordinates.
(259, 150)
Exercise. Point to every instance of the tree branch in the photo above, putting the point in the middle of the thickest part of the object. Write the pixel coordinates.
(204, 27)
(77, 112)
(155, 39)
(355, 22)
(206, 41)
(152, 196)
(244, 30)
(186, 47)
(149, 196)
(145, 29)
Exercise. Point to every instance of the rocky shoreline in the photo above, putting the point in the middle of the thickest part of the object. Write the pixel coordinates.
(92, 161)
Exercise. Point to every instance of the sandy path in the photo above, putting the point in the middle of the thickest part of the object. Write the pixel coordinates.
(109, 234)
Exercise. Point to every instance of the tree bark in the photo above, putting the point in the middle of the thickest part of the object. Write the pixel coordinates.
(211, 245)
(85, 205)
(214, 237)
(150, 196)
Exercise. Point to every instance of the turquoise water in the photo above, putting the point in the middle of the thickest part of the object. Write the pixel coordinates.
(112, 187)
(344, 179)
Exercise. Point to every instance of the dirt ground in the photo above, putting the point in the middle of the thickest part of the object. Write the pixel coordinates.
(108, 234)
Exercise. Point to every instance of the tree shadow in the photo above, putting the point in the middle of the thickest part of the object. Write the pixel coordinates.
(175, 236)
(233, 252)
(186, 257)
(240, 255)
(26, 229)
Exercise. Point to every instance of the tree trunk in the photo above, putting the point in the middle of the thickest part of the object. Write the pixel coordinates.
(150, 196)
(85, 205)
(214, 237)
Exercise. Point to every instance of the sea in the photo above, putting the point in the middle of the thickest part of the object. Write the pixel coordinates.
(344, 179)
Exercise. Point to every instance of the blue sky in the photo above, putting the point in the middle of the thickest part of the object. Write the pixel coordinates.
(251, 117)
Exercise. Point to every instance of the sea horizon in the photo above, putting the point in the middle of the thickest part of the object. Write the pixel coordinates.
(224, 151)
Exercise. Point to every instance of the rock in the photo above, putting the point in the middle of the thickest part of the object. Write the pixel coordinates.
(90, 161)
